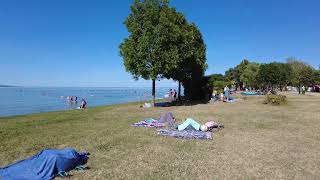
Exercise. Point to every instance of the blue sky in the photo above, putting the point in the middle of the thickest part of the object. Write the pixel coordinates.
(75, 42)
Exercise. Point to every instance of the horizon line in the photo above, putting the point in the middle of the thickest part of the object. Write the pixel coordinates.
(8, 86)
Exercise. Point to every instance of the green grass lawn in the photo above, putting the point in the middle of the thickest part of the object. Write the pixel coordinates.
(258, 142)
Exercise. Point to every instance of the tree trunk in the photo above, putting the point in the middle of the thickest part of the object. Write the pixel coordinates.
(154, 91)
(179, 91)
(299, 88)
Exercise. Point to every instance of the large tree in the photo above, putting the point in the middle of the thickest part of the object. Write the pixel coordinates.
(189, 50)
(234, 74)
(285, 75)
(249, 75)
(303, 74)
(266, 76)
(308, 76)
(151, 51)
(317, 77)
(215, 77)
(274, 74)
(192, 63)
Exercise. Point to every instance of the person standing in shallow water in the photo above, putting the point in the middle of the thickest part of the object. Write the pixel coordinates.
(174, 95)
(83, 104)
(170, 95)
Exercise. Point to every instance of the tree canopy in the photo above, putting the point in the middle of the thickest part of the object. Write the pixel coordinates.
(249, 75)
(143, 52)
(162, 44)
(303, 74)
(274, 74)
(216, 77)
(234, 74)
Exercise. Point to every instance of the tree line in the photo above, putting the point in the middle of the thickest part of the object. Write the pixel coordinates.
(272, 75)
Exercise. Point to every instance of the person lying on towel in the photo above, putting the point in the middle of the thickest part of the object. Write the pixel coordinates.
(197, 126)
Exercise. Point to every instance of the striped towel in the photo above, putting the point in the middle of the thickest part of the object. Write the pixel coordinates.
(185, 134)
(147, 123)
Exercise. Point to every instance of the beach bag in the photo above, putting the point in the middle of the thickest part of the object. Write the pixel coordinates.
(45, 165)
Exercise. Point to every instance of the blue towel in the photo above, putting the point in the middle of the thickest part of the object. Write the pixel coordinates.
(44, 165)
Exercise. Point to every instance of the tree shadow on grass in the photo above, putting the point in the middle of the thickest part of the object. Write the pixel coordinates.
(181, 103)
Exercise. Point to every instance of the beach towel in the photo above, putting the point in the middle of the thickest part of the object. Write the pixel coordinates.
(231, 101)
(185, 134)
(153, 123)
(45, 165)
(165, 119)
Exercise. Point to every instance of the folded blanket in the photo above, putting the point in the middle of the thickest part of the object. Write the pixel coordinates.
(187, 134)
(149, 123)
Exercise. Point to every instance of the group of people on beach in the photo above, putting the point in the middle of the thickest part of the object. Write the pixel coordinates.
(72, 98)
(75, 99)
(172, 94)
(223, 96)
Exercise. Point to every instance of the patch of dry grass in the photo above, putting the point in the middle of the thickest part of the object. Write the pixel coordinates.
(258, 142)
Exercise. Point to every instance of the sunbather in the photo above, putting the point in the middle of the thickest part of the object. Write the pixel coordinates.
(197, 126)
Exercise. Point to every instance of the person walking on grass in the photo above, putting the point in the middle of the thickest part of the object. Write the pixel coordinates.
(226, 92)
(303, 90)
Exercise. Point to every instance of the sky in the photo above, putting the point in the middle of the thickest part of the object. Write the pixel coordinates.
(75, 43)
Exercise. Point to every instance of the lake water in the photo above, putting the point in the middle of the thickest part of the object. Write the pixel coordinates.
(28, 100)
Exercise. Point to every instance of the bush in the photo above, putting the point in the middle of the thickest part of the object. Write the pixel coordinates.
(275, 99)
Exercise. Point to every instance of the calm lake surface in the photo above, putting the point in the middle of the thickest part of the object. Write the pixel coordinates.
(29, 100)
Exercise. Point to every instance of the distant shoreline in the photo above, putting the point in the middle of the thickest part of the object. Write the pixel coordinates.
(8, 86)
(131, 87)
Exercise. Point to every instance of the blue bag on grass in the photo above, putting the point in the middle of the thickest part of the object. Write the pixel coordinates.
(45, 165)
